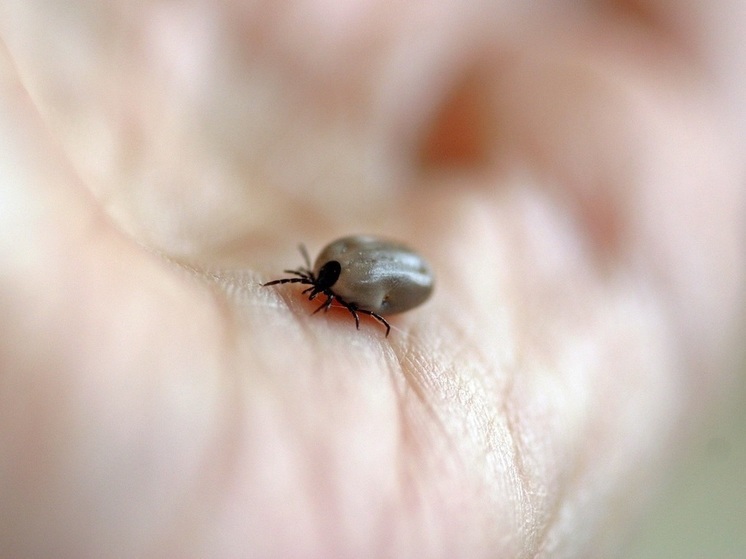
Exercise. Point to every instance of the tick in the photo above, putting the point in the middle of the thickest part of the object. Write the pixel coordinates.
(366, 275)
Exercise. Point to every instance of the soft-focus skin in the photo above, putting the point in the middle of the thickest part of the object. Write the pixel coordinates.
(573, 172)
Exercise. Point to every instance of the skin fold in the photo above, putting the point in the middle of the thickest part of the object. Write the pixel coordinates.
(573, 173)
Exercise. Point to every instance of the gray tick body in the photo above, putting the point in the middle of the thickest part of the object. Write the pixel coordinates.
(366, 275)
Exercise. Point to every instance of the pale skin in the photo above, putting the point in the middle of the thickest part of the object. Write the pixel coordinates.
(575, 179)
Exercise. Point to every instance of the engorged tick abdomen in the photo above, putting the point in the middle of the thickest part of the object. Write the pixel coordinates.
(378, 275)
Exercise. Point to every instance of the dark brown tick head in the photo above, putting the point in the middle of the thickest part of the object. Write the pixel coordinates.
(328, 275)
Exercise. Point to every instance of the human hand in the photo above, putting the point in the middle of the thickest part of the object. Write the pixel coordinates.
(574, 179)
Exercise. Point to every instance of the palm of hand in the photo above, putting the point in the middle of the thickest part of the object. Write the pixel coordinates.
(180, 410)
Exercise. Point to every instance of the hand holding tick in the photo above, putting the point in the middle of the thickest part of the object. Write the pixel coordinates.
(573, 178)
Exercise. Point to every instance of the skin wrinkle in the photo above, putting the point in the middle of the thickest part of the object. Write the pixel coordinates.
(553, 506)
(557, 504)
(487, 428)
(421, 440)
(412, 449)
(574, 479)
(526, 510)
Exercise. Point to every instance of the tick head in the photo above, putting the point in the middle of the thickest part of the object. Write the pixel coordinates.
(328, 275)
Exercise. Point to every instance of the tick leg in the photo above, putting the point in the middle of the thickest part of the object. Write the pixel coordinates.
(302, 273)
(313, 291)
(287, 280)
(304, 253)
(353, 311)
(326, 304)
(379, 318)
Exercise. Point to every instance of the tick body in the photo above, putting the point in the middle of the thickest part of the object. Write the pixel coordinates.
(365, 275)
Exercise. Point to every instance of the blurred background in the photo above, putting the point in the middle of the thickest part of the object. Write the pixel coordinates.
(701, 511)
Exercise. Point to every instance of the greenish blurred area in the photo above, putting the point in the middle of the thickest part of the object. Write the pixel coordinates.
(701, 514)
